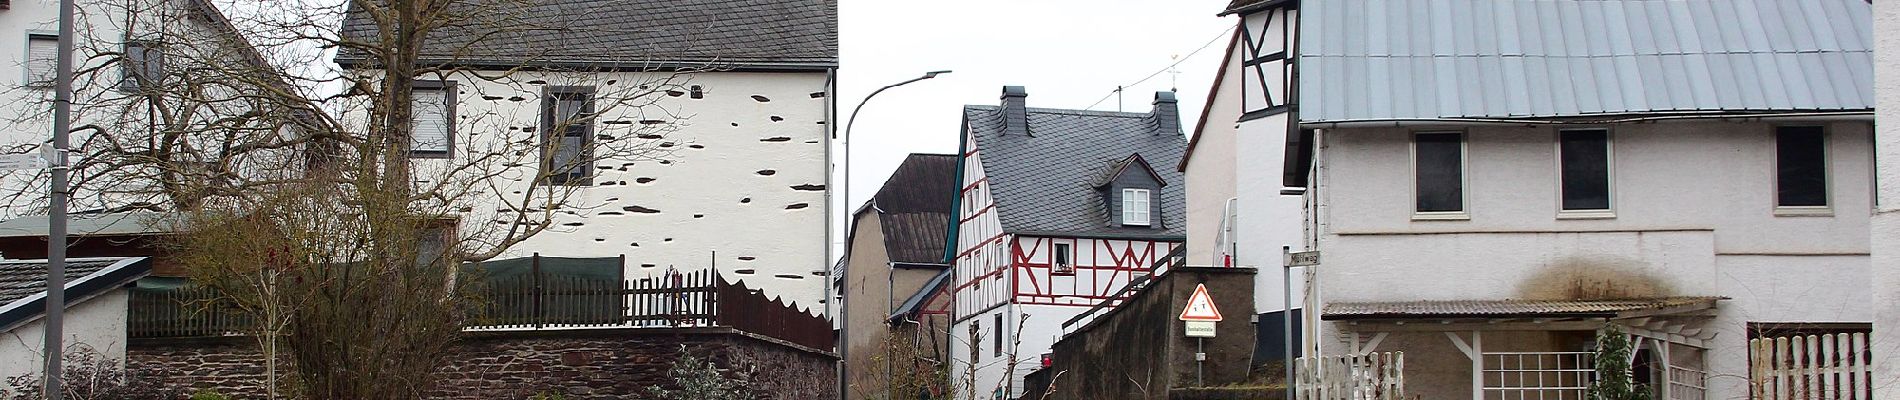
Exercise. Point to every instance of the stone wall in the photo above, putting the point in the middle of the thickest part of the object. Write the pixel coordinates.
(1143, 341)
(586, 364)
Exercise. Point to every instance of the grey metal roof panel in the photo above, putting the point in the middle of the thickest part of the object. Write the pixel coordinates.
(128, 223)
(631, 33)
(1041, 182)
(1433, 59)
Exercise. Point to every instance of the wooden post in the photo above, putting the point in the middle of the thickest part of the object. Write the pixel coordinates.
(534, 272)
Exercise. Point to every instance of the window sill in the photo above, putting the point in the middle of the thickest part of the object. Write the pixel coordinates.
(1441, 216)
(1587, 214)
(1821, 211)
(428, 154)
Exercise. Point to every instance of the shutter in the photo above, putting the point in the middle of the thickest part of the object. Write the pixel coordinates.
(429, 121)
(41, 60)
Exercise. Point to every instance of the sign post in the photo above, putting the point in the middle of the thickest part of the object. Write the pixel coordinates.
(1199, 316)
(1290, 259)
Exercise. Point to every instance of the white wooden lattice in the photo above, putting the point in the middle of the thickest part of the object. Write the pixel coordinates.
(1369, 376)
(1538, 375)
(1811, 367)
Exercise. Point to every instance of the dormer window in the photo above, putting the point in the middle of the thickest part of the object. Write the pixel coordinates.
(1135, 207)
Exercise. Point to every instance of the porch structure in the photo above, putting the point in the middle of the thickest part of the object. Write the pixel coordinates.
(1530, 349)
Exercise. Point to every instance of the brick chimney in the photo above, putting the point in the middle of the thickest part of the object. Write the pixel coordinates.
(1167, 116)
(1015, 110)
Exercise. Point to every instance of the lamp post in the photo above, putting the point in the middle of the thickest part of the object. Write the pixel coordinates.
(56, 213)
(844, 274)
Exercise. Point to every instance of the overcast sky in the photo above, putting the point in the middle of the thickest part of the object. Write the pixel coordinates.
(1067, 53)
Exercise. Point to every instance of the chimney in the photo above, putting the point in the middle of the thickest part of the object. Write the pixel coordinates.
(1015, 110)
(1167, 117)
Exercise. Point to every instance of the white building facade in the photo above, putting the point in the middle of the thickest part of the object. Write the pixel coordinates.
(1059, 211)
(1886, 218)
(1491, 185)
(709, 150)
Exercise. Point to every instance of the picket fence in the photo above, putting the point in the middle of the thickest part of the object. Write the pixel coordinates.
(1812, 367)
(1369, 376)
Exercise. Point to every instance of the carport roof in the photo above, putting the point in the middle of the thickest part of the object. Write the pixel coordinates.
(1444, 309)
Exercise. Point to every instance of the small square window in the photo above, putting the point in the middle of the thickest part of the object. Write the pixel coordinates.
(1583, 158)
(143, 64)
(1438, 164)
(1059, 260)
(1135, 204)
(42, 60)
(1801, 185)
(432, 119)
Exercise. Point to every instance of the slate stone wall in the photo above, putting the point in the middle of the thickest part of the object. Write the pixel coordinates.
(590, 364)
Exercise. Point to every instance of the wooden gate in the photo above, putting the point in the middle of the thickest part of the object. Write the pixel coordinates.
(1811, 367)
(1369, 376)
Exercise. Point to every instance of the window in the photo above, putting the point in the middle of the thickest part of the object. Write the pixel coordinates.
(1583, 166)
(1438, 163)
(144, 64)
(567, 130)
(42, 59)
(999, 334)
(1800, 169)
(1135, 207)
(1059, 263)
(432, 119)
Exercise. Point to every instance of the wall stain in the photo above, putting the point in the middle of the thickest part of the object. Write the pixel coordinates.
(1594, 278)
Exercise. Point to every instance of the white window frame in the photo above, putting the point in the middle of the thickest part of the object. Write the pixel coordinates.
(1464, 177)
(448, 90)
(1144, 211)
(1609, 154)
(1827, 174)
(1067, 253)
(26, 58)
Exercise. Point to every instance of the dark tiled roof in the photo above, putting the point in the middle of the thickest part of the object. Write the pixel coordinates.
(915, 207)
(1245, 6)
(1506, 308)
(22, 280)
(793, 34)
(1042, 183)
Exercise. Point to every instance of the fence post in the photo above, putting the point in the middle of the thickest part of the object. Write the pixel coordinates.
(534, 294)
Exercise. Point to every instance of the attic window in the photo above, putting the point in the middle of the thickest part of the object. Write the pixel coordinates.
(1135, 207)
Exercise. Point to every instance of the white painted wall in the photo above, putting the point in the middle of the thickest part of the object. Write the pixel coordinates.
(1267, 219)
(98, 323)
(722, 176)
(1694, 217)
(1210, 168)
(1886, 220)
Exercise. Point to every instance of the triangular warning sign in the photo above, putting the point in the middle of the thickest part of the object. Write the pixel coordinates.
(1200, 307)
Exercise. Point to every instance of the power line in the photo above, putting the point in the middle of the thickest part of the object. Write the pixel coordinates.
(1118, 89)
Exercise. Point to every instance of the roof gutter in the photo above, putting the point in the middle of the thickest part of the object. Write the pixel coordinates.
(1857, 115)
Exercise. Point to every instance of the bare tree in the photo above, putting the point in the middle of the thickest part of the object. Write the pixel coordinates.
(305, 188)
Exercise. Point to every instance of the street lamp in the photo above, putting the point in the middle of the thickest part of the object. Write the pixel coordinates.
(843, 274)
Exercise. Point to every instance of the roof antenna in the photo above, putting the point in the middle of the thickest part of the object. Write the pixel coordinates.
(1118, 98)
(1174, 74)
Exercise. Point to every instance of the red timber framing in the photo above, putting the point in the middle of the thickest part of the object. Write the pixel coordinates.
(1102, 268)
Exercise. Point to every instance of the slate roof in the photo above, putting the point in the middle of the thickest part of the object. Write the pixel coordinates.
(913, 208)
(23, 283)
(1506, 308)
(1434, 59)
(1042, 182)
(756, 34)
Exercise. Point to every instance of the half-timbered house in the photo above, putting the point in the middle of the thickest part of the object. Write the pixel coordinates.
(1059, 210)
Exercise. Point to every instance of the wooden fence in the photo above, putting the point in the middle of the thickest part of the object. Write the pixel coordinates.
(1369, 376)
(1812, 367)
(189, 311)
(536, 302)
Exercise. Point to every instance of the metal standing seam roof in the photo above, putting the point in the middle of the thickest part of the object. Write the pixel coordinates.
(791, 34)
(1502, 308)
(1438, 59)
(128, 223)
(1043, 182)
